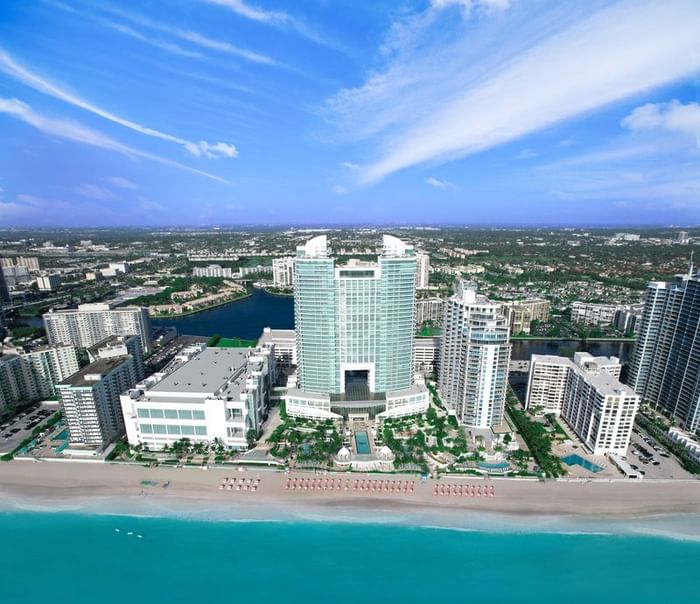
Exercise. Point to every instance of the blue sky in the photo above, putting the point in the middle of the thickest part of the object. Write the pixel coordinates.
(199, 112)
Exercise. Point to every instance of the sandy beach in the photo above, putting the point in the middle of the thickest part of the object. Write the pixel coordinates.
(124, 489)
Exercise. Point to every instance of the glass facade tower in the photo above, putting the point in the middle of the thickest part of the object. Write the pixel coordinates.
(354, 322)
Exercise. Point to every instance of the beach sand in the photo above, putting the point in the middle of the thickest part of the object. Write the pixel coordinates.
(119, 489)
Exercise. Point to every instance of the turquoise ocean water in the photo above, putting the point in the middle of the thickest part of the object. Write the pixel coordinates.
(68, 558)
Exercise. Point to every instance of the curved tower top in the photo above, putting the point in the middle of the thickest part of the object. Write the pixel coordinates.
(393, 247)
(316, 247)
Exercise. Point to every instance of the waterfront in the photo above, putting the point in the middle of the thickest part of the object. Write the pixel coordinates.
(337, 562)
(247, 318)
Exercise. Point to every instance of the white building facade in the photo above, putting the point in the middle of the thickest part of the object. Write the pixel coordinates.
(207, 395)
(283, 272)
(474, 358)
(90, 323)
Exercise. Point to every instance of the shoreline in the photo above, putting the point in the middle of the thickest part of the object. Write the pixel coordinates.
(199, 310)
(194, 494)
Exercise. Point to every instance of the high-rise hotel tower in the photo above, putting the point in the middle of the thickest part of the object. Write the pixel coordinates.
(665, 365)
(354, 334)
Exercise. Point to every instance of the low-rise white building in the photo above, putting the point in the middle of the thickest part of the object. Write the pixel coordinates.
(684, 439)
(47, 283)
(214, 394)
(213, 270)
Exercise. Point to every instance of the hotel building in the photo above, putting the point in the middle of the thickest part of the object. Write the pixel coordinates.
(521, 313)
(422, 270)
(206, 394)
(91, 323)
(474, 358)
(665, 364)
(354, 334)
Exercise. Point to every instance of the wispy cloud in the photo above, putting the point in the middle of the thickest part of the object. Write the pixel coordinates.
(121, 183)
(275, 18)
(37, 82)
(443, 185)
(526, 154)
(96, 192)
(448, 90)
(349, 165)
(339, 190)
(193, 37)
(81, 134)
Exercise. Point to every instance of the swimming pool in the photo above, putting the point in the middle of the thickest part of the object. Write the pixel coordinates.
(577, 460)
(362, 443)
(62, 436)
(493, 466)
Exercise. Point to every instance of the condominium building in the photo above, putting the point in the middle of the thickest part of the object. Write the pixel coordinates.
(521, 313)
(32, 376)
(628, 318)
(120, 346)
(4, 289)
(474, 357)
(90, 398)
(548, 377)
(593, 314)
(665, 364)
(47, 283)
(90, 323)
(422, 270)
(283, 272)
(586, 391)
(429, 309)
(213, 270)
(285, 346)
(208, 394)
(354, 334)
(30, 263)
(115, 268)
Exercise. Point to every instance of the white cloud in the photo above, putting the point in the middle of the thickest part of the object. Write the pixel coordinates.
(27, 77)
(121, 182)
(95, 192)
(526, 154)
(449, 90)
(470, 6)
(443, 185)
(339, 190)
(81, 134)
(349, 165)
(162, 44)
(187, 35)
(672, 116)
(274, 18)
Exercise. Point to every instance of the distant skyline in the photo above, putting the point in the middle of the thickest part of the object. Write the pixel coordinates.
(252, 112)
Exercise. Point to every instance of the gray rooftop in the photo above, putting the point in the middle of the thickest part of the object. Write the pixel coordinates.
(207, 372)
(100, 367)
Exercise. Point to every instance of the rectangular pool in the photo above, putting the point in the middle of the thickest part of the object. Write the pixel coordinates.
(577, 460)
(362, 443)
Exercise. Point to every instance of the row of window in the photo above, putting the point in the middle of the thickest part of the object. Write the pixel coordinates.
(173, 429)
(171, 413)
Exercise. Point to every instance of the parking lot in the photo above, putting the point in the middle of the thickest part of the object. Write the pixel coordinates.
(654, 462)
(15, 430)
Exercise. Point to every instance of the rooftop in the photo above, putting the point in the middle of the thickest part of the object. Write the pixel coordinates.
(101, 367)
(206, 373)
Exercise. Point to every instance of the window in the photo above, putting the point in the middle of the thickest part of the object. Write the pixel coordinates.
(185, 414)
(157, 413)
(200, 430)
(187, 430)
(143, 413)
(146, 428)
(170, 413)
(198, 415)
(159, 429)
(173, 429)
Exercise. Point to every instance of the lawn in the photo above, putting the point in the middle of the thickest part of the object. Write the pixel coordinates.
(235, 343)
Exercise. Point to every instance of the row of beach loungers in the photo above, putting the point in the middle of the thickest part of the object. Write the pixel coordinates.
(338, 484)
(458, 490)
(239, 484)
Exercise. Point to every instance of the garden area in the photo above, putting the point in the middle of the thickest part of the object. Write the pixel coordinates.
(305, 442)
